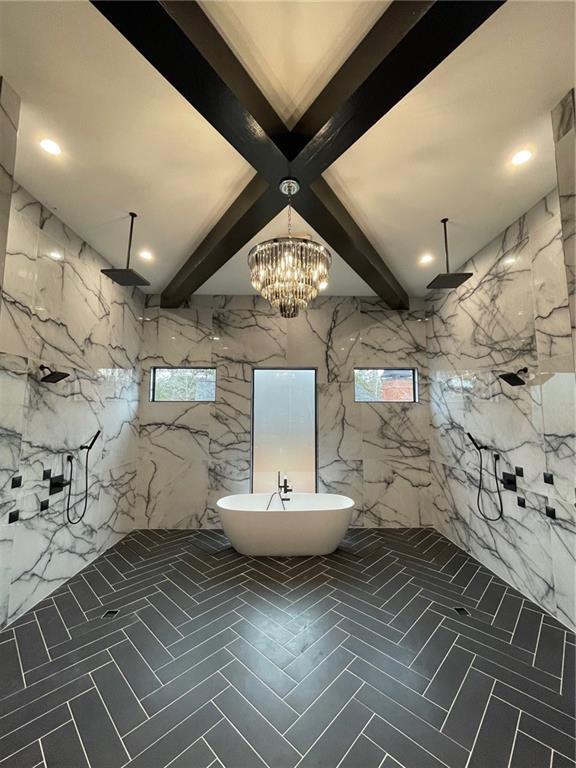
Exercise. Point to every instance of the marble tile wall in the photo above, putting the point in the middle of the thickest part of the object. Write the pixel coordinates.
(513, 312)
(191, 454)
(9, 118)
(58, 310)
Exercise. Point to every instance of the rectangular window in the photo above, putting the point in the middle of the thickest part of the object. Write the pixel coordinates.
(283, 428)
(171, 385)
(385, 385)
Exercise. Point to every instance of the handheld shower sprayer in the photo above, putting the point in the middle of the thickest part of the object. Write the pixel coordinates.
(495, 459)
(85, 447)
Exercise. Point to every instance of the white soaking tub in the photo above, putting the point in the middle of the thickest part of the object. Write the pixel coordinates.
(311, 524)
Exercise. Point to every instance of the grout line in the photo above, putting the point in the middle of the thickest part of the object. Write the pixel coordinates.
(480, 724)
(78, 734)
(515, 736)
(441, 663)
(113, 660)
(457, 693)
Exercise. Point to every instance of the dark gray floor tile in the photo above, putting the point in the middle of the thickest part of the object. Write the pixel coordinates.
(159, 626)
(265, 624)
(62, 748)
(434, 652)
(464, 718)
(101, 742)
(449, 677)
(196, 655)
(477, 585)
(11, 679)
(168, 718)
(32, 731)
(557, 740)
(380, 627)
(99, 585)
(138, 674)
(413, 610)
(90, 632)
(527, 630)
(268, 704)
(84, 595)
(317, 681)
(421, 631)
(31, 646)
(168, 608)
(307, 661)
(151, 649)
(307, 729)
(201, 617)
(199, 755)
(535, 707)
(28, 757)
(507, 614)
(549, 651)
(429, 738)
(401, 694)
(273, 651)
(496, 736)
(51, 625)
(182, 736)
(363, 754)
(232, 750)
(391, 667)
(399, 747)
(69, 609)
(262, 737)
(338, 737)
(260, 666)
(528, 753)
(123, 706)
(559, 761)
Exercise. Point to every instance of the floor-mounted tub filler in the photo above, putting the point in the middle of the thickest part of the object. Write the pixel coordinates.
(307, 524)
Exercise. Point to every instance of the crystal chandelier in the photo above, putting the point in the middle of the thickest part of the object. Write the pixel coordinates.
(289, 271)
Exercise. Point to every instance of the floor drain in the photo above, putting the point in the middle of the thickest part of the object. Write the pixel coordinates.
(110, 614)
(462, 611)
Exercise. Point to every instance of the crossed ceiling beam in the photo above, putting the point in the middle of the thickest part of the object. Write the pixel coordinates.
(408, 41)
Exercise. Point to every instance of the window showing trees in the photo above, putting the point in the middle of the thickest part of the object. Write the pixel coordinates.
(182, 384)
(385, 385)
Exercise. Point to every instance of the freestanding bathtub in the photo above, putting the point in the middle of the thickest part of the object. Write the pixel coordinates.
(311, 524)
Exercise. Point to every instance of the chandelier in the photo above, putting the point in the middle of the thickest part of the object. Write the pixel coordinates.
(289, 271)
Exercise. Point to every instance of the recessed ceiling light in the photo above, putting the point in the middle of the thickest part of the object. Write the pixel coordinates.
(50, 146)
(146, 255)
(521, 157)
(426, 258)
(55, 255)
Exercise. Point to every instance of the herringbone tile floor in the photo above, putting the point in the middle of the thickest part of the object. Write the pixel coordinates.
(397, 650)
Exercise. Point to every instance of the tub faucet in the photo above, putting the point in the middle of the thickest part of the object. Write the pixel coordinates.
(283, 487)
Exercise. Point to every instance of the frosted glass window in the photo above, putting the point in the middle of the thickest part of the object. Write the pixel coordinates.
(284, 429)
(170, 385)
(385, 385)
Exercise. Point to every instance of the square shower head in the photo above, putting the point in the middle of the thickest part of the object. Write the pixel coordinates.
(449, 280)
(125, 276)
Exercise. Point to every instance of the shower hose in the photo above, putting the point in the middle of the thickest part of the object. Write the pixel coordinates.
(495, 459)
(75, 520)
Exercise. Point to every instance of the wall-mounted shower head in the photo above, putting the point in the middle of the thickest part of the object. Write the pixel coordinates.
(475, 443)
(514, 379)
(52, 377)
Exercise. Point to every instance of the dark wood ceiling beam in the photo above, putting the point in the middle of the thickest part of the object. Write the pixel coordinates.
(322, 209)
(415, 38)
(256, 205)
(178, 45)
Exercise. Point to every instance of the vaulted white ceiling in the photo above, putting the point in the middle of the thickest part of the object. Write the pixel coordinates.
(131, 142)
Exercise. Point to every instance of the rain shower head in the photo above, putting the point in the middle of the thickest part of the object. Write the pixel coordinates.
(126, 276)
(514, 379)
(52, 377)
(448, 280)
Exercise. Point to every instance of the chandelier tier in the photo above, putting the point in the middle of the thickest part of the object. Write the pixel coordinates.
(289, 272)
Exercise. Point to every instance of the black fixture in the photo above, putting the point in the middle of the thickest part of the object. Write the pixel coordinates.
(461, 610)
(448, 280)
(16, 481)
(509, 481)
(57, 484)
(548, 478)
(110, 613)
(52, 377)
(495, 460)
(519, 471)
(283, 488)
(44, 505)
(521, 501)
(550, 512)
(13, 516)
(126, 276)
(514, 379)
(70, 459)
(46, 474)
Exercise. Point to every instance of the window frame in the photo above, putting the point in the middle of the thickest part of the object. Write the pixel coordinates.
(316, 442)
(152, 388)
(415, 391)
